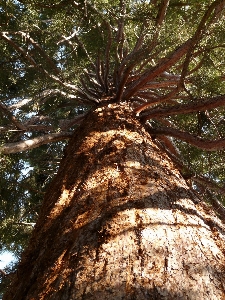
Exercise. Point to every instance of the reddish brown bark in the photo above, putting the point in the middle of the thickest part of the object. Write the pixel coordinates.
(189, 138)
(198, 105)
(119, 222)
(151, 74)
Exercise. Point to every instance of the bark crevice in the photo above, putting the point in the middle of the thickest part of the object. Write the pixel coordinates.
(120, 222)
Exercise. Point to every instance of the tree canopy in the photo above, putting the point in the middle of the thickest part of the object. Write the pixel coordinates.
(59, 59)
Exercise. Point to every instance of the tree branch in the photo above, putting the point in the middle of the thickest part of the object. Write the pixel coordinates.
(65, 124)
(40, 50)
(20, 103)
(25, 55)
(55, 78)
(3, 273)
(129, 59)
(99, 74)
(24, 224)
(81, 44)
(107, 58)
(197, 105)
(207, 145)
(164, 65)
(120, 33)
(11, 117)
(175, 156)
(160, 84)
(162, 12)
(220, 209)
(209, 184)
(161, 99)
(199, 32)
(42, 97)
(34, 143)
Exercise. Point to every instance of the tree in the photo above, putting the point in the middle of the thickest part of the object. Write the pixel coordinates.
(119, 221)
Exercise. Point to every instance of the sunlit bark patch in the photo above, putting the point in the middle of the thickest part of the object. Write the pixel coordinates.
(125, 223)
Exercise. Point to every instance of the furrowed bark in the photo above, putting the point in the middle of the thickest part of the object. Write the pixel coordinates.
(120, 222)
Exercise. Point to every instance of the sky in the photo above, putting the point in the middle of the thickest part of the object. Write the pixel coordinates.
(5, 259)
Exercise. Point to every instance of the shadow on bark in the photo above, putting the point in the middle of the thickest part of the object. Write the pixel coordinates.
(91, 237)
(139, 293)
(58, 246)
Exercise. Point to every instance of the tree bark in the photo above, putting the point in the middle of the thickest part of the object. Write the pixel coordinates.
(120, 222)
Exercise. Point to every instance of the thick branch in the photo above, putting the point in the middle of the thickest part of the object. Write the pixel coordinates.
(200, 31)
(25, 55)
(198, 105)
(162, 12)
(164, 65)
(187, 172)
(11, 117)
(161, 99)
(71, 86)
(20, 104)
(209, 184)
(34, 143)
(42, 97)
(220, 209)
(41, 51)
(207, 145)
(65, 124)
(160, 84)
(129, 60)
(173, 58)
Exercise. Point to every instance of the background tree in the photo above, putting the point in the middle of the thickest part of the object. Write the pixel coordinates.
(62, 59)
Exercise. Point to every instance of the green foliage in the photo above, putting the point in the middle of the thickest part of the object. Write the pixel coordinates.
(22, 190)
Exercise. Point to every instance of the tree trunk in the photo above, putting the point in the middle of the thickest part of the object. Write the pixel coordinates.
(120, 222)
